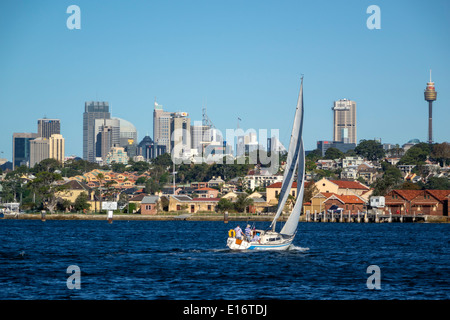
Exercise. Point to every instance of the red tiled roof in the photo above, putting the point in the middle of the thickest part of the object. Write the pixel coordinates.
(278, 185)
(343, 198)
(350, 199)
(349, 184)
(408, 194)
(441, 195)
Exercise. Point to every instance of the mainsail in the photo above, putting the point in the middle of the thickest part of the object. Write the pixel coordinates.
(296, 157)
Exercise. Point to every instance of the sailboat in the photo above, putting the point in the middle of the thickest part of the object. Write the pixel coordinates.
(270, 239)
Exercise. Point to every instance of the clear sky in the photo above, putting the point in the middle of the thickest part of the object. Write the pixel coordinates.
(240, 58)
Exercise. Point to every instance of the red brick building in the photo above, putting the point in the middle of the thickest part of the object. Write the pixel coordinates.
(349, 203)
(410, 202)
(149, 205)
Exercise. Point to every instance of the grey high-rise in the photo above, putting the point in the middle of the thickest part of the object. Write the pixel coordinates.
(92, 110)
(47, 127)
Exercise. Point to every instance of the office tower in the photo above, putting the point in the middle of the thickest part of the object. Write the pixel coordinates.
(161, 126)
(344, 125)
(149, 150)
(42, 148)
(39, 150)
(430, 96)
(21, 148)
(200, 136)
(56, 147)
(107, 135)
(47, 127)
(92, 110)
(180, 134)
(103, 142)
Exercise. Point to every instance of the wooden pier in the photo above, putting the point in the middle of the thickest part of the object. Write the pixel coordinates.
(361, 217)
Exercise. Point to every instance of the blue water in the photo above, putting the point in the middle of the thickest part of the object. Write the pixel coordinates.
(189, 260)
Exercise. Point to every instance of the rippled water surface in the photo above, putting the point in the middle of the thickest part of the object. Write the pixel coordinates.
(189, 260)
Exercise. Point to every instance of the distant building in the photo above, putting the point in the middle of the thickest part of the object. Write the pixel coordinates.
(161, 126)
(21, 148)
(200, 135)
(47, 127)
(92, 110)
(149, 205)
(344, 123)
(39, 150)
(128, 136)
(323, 146)
(56, 147)
(42, 148)
(117, 155)
(107, 135)
(149, 150)
(180, 135)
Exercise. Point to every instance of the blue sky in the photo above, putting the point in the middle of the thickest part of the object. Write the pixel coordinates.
(242, 58)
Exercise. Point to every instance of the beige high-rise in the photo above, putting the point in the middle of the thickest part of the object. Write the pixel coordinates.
(56, 147)
(42, 148)
(344, 124)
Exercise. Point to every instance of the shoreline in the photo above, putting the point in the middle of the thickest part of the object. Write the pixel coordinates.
(185, 217)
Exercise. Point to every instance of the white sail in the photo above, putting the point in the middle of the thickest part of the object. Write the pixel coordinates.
(295, 146)
(291, 224)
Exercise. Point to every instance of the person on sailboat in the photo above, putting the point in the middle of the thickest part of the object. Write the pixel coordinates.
(256, 237)
(248, 232)
(238, 231)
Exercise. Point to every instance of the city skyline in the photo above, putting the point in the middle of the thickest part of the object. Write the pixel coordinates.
(241, 60)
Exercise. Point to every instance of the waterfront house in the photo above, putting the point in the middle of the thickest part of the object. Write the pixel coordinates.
(273, 191)
(192, 205)
(206, 193)
(323, 201)
(417, 202)
(348, 203)
(149, 205)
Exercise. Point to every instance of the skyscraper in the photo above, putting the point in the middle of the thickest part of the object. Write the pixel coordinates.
(42, 148)
(344, 124)
(430, 96)
(107, 135)
(56, 147)
(47, 127)
(161, 126)
(92, 110)
(39, 150)
(180, 134)
(21, 148)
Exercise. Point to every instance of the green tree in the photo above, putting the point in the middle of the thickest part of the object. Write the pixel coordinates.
(224, 205)
(45, 184)
(392, 178)
(435, 183)
(417, 154)
(441, 152)
(81, 202)
(370, 149)
(242, 202)
(47, 165)
(333, 153)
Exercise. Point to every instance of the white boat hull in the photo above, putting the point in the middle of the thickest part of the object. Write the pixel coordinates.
(264, 244)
